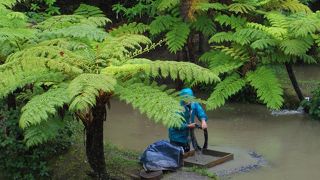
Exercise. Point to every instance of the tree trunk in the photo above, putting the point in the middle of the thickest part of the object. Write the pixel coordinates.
(11, 101)
(294, 81)
(94, 140)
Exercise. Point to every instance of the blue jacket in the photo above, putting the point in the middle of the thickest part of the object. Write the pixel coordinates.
(181, 134)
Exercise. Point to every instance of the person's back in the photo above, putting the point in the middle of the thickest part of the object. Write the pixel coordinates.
(180, 136)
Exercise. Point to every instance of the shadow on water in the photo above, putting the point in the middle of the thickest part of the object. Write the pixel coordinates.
(289, 143)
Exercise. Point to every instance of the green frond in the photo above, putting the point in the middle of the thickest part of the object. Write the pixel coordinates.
(241, 8)
(114, 49)
(177, 37)
(131, 28)
(277, 19)
(41, 107)
(156, 103)
(262, 44)
(165, 4)
(43, 132)
(296, 46)
(186, 71)
(203, 6)
(85, 88)
(303, 25)
(308, 59)
(162, 23)
(268, 88)
(232, 21)
(236, 52)
(262, 31)
(226, 88)
(221, 37)
(219, 62)
(295, 6)
(205, 25)
(83, 31)
(88, 11)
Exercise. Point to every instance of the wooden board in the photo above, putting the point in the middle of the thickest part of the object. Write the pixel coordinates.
(217, 157)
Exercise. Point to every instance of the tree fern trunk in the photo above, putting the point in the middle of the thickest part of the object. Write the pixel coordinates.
(94, 140)
(294, 81)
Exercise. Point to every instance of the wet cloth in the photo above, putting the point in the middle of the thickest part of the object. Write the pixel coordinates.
(162, 155)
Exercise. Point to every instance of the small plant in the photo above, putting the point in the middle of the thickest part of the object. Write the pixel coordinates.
(312, 106)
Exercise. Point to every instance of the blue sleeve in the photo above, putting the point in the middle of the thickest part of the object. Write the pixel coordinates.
(200, 112)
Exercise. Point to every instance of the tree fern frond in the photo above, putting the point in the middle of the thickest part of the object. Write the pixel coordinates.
(236, 52)
(219, 62)
(205, 25)
(262, 44)
(203, 6)
(296, 46)
(165, 4)
(152, 100)
(177, 37)
(176, 70)
(162, 23)
(304, 25)
(41, 107)
(277, 19)
(43, 132)
(226, 88)
(83, 31)
(84, 89)
(221, 37)
(232, 21)
(131, 28)
(241, 8)
(88, 11)
(295, 6)
(268, 87)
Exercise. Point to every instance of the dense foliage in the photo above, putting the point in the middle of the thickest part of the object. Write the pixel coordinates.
(248, 39)
(312, 105)
(16, 159)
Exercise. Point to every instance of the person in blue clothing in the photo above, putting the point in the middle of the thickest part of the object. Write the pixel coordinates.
(180, 136)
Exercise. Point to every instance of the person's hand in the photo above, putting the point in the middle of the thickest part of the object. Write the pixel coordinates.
(204, 124)
(192, 125)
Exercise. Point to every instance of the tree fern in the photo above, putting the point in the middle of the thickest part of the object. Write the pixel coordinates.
(152, 100)
(203, 6)
(84, 89)
(268, 88)
(226, 88)
(296, 46)
(177, 37)
(295, 6)
(43, 106)
(262, 44)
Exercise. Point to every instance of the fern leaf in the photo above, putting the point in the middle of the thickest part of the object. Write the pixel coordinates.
(222, 37)
(205, 25)
(88, 11)
(84, 89)
(41, 107)
(232, 21)
(165, 4)
(177, 37)
(241, 8)
(131, 28)
(162, 23)
(304, 25)
(153, 101)
(296, 46)
(262, 44)
(45, 131)
(268, 87)
(226, 88)
(295, 6)
(203, 6)
(183, 70)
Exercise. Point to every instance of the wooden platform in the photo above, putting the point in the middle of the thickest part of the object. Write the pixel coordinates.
(209, 158)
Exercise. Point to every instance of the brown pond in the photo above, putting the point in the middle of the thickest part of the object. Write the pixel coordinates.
(289, 143)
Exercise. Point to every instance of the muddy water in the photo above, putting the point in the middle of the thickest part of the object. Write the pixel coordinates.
(290, 144)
